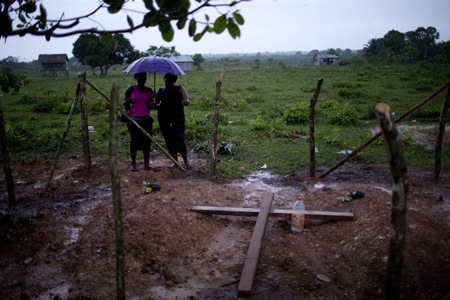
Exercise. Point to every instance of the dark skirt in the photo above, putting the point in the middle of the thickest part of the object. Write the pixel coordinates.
(174, 136)
(139, 140)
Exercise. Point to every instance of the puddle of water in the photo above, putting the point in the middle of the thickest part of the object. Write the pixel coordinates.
(257, 182)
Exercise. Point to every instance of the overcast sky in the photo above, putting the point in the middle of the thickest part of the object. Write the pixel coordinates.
(270, 26)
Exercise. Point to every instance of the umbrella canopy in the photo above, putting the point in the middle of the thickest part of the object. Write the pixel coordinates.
(154, 65)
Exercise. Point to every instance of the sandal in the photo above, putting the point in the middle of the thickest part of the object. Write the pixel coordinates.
(147, 167)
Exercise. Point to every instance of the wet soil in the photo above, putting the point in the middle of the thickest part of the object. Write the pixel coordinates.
(61, 245)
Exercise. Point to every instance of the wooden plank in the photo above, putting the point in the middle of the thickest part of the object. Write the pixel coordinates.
(242, 211)
(251, 261)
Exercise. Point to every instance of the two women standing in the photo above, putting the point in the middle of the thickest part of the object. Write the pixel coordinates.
(170, 102)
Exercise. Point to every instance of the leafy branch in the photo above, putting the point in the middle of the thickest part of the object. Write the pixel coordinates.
(29, 17)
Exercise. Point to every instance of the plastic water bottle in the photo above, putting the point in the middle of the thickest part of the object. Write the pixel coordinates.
(298, 215)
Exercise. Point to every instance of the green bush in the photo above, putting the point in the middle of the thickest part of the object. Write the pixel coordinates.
(297, 114)
(346, 114)
(17, 134)
(49, 137)
(258, 124)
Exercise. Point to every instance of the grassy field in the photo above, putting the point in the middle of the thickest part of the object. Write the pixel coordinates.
(264, 114)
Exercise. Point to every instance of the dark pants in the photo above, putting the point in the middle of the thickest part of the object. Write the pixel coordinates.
(138, 139)
(174, 136)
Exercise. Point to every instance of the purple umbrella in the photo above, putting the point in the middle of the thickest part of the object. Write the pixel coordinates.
(154, 65)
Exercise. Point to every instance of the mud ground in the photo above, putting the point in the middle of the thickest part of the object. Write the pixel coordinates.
(60, 244)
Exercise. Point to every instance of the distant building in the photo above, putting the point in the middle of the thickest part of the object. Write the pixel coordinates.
(51, 64)
(325, 59)
(185, 62)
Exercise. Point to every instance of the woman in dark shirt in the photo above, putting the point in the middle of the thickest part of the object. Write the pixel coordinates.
(171, 100)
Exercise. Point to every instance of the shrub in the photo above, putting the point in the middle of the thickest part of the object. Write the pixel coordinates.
(345, 115)
(258, 124)
(17, 133)
(42, 105)
(297, 114)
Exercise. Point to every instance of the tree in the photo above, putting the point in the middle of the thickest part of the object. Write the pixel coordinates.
(424, 39)
(444, 51)
(395, 42)
(8, 80)
(198, 60)
(94, 51)
(373, 48)
(30, 18)
(162, 51)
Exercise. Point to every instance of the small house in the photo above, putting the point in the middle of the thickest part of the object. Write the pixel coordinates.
(325, 59)
(51, 64)
(185, 62)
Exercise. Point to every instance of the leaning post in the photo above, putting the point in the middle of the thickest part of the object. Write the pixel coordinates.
(440, 137)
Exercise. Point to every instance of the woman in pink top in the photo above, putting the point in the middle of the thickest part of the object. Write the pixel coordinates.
(138, 103)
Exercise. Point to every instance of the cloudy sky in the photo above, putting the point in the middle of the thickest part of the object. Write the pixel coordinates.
(270, 26)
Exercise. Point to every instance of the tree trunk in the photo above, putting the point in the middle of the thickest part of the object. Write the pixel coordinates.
(6, 161)
(399, 196)
(115, 188)
(312, 136)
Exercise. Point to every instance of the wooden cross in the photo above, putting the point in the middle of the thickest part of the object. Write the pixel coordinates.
(263, 213)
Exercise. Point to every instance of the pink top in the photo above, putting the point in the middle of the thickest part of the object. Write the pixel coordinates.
(140, 102)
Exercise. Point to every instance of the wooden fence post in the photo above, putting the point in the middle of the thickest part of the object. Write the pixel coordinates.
(215, 131)
(399, 197)
(312, 136)
(115, 187)
(6, 161)
(84, 122)
(440, 136)
(63, 137)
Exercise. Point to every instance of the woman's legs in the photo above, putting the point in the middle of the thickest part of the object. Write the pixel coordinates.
(140, 141)
(174, 136)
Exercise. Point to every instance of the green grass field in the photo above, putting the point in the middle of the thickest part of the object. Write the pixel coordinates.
(264, 114)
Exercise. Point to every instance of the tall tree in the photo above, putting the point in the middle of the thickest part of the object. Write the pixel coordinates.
(373, 48)
(395, 41)
(94, 51)
(423, 39)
